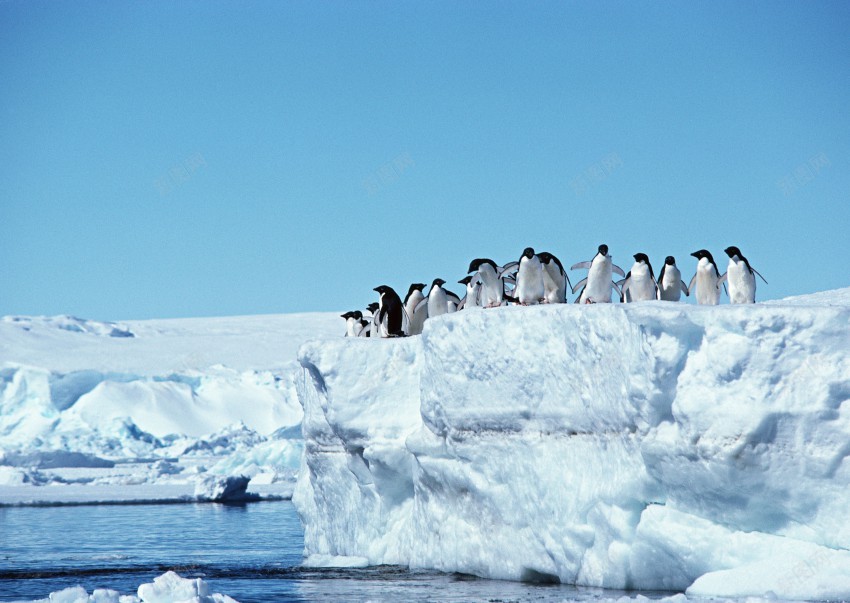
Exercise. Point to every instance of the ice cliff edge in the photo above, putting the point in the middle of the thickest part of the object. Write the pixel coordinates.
(653, 446)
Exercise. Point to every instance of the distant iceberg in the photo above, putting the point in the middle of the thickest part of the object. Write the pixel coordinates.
(644, 446)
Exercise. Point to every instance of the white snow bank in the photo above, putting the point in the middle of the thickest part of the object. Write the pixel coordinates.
(82, 393)
(651, 445)
(167, 588)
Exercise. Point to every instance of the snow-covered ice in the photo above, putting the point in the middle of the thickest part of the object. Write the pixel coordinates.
(651, 445)
(170, 587)
(153, 410)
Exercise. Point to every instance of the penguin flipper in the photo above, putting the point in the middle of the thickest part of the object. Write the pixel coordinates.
(423, 305)
(760, 276)
(462, 303)
(578, 299)
(685, 289)
(582, 283)
(509, 268)
(616, 269)
(691, 286)
(405, 321)
(581, 266)
(623, 285)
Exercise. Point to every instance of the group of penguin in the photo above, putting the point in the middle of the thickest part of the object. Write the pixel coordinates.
(540, 278)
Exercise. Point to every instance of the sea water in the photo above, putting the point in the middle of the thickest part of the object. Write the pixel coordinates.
(251, 552)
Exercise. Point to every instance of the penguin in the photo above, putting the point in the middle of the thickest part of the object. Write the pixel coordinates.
(639, 284)
(473, 290)
(670, 283)
(438, 299)
(530, 287)
(352, 323)
(555, 279)
(492, 290)
(374, 326)
(741, 278)
(596, 287)
(414, 298)
(391, 309)
(363, 328)
(707, 279)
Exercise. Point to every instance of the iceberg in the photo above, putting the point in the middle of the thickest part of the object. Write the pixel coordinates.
(652, 445)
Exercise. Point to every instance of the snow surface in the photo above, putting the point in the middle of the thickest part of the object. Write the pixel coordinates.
(652, 445)
(157, 410)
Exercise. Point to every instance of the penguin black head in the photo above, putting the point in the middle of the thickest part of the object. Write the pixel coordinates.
(478, 262)
(413, 287)
(547, 258)
(373, 306)
(670, 260)
(528, 252)
(603, 249)
(465, 280)
(703, 253)
(641, 257)
(383, 289)
(347, 315)
(438, 282)
(733, 251)
(353, 314)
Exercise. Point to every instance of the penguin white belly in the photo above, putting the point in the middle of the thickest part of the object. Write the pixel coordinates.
(351, 327)
(741, 282)
(671, 284)
(492, 289)
(414, 325)
(437, 303)
(417, 321)
(708, 284)
(554, 284)
(598, 287)
(641, 286)
(472, 294)
(529, 281)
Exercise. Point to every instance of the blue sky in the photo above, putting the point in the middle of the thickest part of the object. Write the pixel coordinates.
(169, 159)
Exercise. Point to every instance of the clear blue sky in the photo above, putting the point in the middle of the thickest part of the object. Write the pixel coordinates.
(169, 159)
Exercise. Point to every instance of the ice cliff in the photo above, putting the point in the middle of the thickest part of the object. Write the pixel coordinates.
(651, 446)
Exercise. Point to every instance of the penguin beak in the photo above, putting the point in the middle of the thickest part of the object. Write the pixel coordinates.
(695, 254)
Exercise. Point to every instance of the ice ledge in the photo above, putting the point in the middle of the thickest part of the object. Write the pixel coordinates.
(657, 446)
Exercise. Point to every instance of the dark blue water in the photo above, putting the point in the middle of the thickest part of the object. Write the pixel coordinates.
(250, 552)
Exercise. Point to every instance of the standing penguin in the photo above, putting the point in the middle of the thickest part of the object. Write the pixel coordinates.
(374, 325)
(413, 299)
(438, 301)
(596, 288)
(492, 286)
(741, 278)
(530, 287)
(639, 284)
(390, 309)
(473, 290)
(555, 279)
(352, 323)
(707, 279)
(670, 283)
